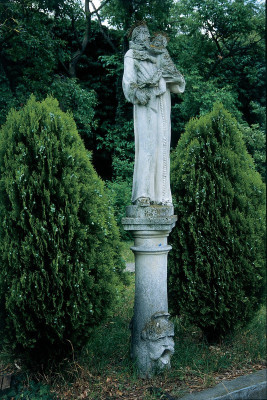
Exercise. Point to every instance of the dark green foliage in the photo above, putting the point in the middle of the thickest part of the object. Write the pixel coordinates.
(124, 13)
(220, 50)
(217, 262)
(198, 99)
(29, 53)
(119, 141)
(22, 388)
(59, 244)
(119, 193)
(81, 102)
(255, 140)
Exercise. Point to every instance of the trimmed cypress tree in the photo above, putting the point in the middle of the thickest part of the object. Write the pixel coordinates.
(59, 243)
(216, 266)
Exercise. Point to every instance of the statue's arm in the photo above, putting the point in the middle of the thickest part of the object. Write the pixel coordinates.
(178, 86)
(129, 79)
(177, 83)
(132, 91)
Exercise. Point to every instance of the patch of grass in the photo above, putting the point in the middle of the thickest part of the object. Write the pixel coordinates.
(104, 370)
(200, 365)
(110, 343)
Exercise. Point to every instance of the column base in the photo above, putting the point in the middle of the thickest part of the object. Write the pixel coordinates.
(152, 332)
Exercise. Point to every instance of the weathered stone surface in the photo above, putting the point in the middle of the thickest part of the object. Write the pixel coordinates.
(148, 80)
(163, 224)
(247, 387)
(155, 211)
(5, 381)
(154, 350)
(152, 332)
(152, 218)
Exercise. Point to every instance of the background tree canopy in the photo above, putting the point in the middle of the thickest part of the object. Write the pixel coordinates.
(64, 48)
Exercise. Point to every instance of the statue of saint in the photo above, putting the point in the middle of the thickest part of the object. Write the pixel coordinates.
(149, 78)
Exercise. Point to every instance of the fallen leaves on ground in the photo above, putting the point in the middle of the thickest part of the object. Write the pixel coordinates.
(163, 387)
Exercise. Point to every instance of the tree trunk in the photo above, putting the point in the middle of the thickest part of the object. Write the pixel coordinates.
(77, 55)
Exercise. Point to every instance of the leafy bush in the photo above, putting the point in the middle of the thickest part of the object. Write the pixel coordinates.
(119, 193)
(119, 140)
(59, 243)
(217, 262)
(198, 100)
(255, 140)
(81, 102)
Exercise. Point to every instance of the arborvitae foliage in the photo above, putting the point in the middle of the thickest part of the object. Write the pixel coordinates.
(217, 262)
(59, 244)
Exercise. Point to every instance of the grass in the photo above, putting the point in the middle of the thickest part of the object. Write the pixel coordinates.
(104, 369)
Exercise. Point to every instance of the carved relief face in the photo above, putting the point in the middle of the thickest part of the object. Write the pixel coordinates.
(158, 335)
(161, 350)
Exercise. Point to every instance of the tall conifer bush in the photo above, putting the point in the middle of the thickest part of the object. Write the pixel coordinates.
(217, 262)
(59, 244)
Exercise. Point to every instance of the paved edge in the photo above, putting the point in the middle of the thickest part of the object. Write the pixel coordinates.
(247, 387)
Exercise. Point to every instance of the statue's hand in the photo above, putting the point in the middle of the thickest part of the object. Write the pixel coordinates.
(141, 97)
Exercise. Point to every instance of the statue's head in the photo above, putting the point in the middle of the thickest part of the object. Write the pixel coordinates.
(159, 40)
(158, 335)
(140, 34)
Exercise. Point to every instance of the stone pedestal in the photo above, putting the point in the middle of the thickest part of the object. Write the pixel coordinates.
(152, 332)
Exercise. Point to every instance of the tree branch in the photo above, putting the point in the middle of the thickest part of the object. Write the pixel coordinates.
(64, 66)
(75, 31)
(78, 54)
(96, 10)
(101, 27)
(214, 38)
(232, 52)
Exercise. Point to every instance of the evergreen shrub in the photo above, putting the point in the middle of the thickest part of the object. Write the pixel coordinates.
(216, 266)
(255, 140)
(59, 244)
(120, 193)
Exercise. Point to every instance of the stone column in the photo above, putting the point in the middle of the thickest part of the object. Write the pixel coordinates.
(152, 332)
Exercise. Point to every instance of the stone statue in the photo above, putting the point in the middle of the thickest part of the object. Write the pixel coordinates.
(149, 78)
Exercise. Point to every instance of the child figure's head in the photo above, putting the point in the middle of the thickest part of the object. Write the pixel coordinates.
(159, 40)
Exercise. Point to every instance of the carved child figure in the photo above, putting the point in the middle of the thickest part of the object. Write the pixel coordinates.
(164, 62)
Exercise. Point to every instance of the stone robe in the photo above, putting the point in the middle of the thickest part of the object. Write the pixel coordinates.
(152, 126)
